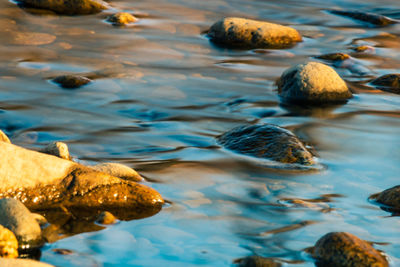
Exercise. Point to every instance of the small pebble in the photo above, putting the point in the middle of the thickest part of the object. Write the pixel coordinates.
(8, 244)
(71, 81)
(312, 83)
(346, 250)
(121, 18)
(106, 218)
(58, 149)
(251, 34)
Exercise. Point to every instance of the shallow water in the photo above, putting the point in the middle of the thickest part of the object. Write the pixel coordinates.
(162, 93)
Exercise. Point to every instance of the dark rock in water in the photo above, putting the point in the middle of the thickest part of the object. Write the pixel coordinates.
(24, 224)
(71, 81)
(267, 141)
(8, 243)
(390, 198)
(374, 19)
(312, 83)
(346, 250)
(389, 83)
(334, 56)
(121, 18)
(250, 34)
(68, 7)
(257, 261)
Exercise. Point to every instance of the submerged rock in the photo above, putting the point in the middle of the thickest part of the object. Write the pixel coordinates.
(8, 243)
(24, 224)
(247, 33)
(119, 170)
(71, 81)
(389, 83)
(334, 56)
(346, 250)
(43, 181)
(58, 149)
(22, 263)
(257, 261)
(106, 218)
(68, 7)
(121, 18)
(267, 141)
(374, 19)
(390, 198)
(30, 38)
(312, 83)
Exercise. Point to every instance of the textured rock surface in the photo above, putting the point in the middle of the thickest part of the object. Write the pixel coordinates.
(121, 18)
(388, 82)
(58, 149)
(313, 83)
(16, 217)
(118, 170)
(347, 250)
(22, 263)
(68, 7)
(257, 261)
(71, 81)
(247, 33)
(390, 198)
(267, 141)
(8, 243)
(374, 19)
(43, 181)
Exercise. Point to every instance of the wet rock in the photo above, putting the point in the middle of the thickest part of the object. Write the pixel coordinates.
(16, 217)
(364, 49)
(4, 137)
(58, 149)
(71, 81)
(22, 263)
(390, 198)
(119, 170)
(68, 7)
(106, 218)
(334, 56)
(267, 141)
(374, 19)
(8, 243)
(250, 34)
(312, 83)
(389, 83)
(43, 181)
(347, 250)
(121, 18)
(257, 261)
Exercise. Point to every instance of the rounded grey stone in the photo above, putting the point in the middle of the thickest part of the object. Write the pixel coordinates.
(312, 83)
(24, 224)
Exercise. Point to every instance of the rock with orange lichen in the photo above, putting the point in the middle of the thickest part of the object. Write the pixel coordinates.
(121, 18)
(8, 243)
(249, 34)
(346, 250)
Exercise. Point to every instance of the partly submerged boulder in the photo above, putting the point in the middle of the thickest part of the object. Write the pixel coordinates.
(71, 81)
(257, 261)
(267, 141)
(390, 198)
(346, 250)
(44, 181)
(68, 7)
(24, 224)
(312, 83)
(249, 34)
(389, 83)
(121, 18)
(370, 18)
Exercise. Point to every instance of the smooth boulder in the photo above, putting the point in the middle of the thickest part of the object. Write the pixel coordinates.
(44, 181)
(8, 243)
(267, 141)
(24, 224)
(68, 7)
(250, 34)
(346, 250)
(312, 83)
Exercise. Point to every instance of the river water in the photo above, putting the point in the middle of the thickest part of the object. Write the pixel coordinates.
(161, 95)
